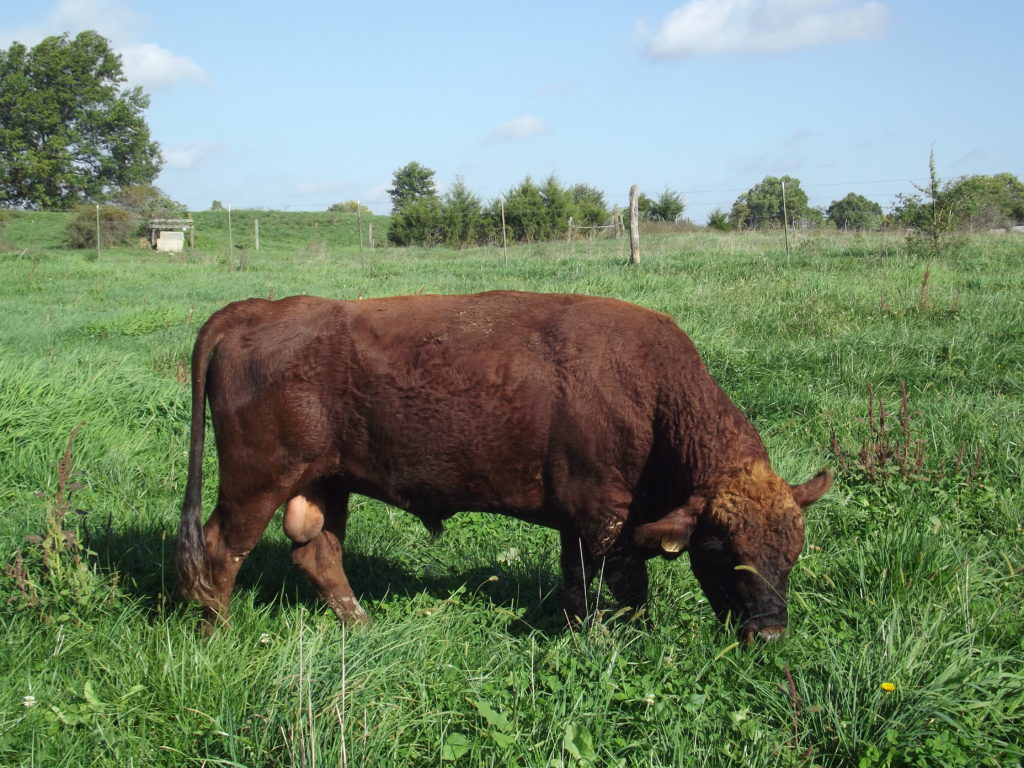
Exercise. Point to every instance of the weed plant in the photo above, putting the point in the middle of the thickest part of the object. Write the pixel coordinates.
(905, 643)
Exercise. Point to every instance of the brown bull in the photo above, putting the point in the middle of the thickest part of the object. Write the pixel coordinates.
(587, 415)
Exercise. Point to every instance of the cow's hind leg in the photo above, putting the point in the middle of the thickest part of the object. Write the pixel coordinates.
(230, 533)
(315, 522)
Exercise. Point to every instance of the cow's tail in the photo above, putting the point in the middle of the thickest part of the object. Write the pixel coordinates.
(190, 555)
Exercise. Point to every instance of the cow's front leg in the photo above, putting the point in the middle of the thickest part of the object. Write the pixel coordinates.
(625, 570)
(577, 573)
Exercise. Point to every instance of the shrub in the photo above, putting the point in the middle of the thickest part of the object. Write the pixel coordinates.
(349, 206)
(117, 226)
(418, 223)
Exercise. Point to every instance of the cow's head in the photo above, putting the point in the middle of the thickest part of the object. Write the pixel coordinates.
(744, 534)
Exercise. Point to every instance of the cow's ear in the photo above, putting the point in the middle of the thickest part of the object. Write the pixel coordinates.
(671, 534)
(813, 489)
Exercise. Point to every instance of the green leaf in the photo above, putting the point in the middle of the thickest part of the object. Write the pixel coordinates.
(89, 695)
(579, 743)
(455, 746)
(503, 739)
(494, 719)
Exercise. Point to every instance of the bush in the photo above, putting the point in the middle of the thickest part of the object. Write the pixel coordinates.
(118, 226)
(349, 206)
(418, 223)
(719, 220)
(855, 212)
(462, 217)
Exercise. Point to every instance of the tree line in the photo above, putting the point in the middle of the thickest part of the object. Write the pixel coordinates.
(72, 132)
(532, 212)
(973, 203)
(529, 212)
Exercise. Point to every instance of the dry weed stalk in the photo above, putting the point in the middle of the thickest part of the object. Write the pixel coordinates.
(891, 449)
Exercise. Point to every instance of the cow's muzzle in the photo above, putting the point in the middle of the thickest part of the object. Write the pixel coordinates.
(750, 634)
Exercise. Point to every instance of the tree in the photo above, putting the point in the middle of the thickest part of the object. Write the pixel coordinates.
(668, 207)
(855, 212)
(931, 219)
(148, 202)
(591, 210)
(415, 207)
(558, 209)
(524, 212)
(462, 218)
(419, 223)
(987, 202)
(719, 220)
(644, 207)
(349, 206)
(70, 131)
(762, 205)
(411, 182)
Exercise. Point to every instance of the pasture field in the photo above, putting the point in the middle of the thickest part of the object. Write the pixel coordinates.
(911, 577)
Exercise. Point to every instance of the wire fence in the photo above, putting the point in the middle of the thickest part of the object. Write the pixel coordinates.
(704, 199)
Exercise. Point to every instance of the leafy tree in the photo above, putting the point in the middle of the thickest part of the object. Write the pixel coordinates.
(558, 208)
(462, 218)
(411, 182)
(349, 206)
(855, 212)
(69, 129)
(591, 210)
(987, 202)
(525, 216)
(415, 207)
(148, 202)
(418, 223)
(719, 219)
(668, 207)
(932, 215)
(216, 205)
(908, 211)
(762, 204)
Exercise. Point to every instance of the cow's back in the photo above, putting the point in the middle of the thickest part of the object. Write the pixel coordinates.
(500, 401)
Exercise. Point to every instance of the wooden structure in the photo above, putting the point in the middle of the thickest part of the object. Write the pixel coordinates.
(168, 235)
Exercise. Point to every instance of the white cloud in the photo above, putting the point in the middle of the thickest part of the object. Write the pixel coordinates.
(518, 129)
(185, 158)
(146, 64)
(701, 27)
(149, 64)
(111, 18)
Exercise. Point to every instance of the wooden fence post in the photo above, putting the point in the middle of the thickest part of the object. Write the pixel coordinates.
(504, 242)
(634, 224)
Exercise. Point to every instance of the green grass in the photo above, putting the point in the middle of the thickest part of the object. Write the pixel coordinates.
(910, 576)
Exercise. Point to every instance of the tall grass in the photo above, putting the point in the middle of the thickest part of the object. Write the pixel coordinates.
(911, 578)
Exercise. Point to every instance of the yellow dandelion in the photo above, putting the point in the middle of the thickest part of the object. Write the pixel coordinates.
(888, 687)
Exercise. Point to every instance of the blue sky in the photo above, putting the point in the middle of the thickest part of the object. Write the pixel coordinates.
(299, 105)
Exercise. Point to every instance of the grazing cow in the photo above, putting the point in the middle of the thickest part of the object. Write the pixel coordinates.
(587, 415)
